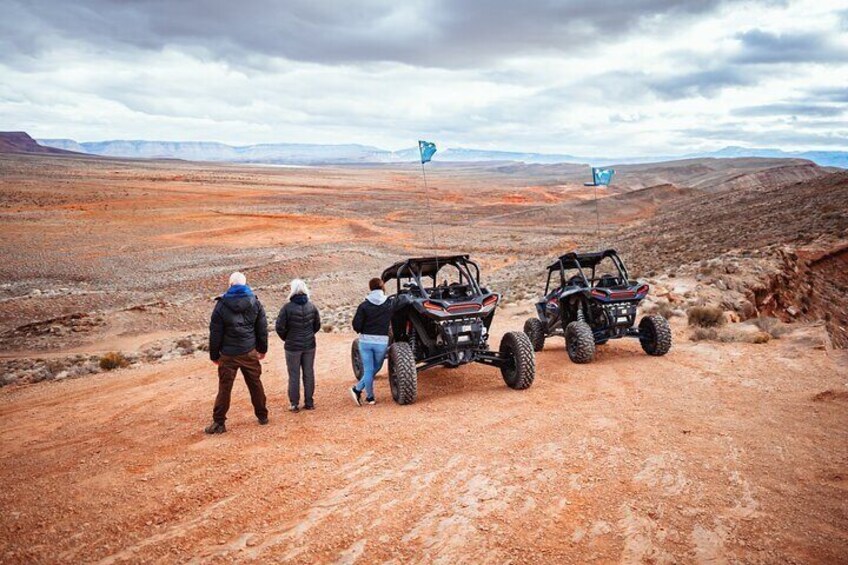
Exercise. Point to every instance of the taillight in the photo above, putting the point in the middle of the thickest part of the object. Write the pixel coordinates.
(643, 289)
(599, 294)
(433, 307)
(490, 301)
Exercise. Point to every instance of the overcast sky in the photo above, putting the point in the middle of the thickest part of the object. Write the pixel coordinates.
(586, 77)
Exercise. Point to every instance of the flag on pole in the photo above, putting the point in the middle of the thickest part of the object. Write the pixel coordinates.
(602, 177)
(427, 150)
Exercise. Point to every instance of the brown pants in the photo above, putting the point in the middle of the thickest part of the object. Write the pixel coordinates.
(251, 369)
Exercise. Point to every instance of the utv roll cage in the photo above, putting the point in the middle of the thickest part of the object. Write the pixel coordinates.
(581, 261)
(410, 274)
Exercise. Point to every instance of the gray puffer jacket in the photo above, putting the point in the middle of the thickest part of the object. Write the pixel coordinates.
(297, 323)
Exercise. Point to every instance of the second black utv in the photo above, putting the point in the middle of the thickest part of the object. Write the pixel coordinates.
(590, 299)
(446, 324)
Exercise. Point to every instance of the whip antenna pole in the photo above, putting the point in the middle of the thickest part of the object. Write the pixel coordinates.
(597, 219)
(429, 210)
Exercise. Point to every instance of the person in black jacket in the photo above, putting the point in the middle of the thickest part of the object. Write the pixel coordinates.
(371, 322)
(238, 339)
(297, 324)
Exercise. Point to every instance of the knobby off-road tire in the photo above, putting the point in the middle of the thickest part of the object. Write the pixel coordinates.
(535, 330)
(356, 360)
(655, 335)
(403, 375)
(520, 373)
(579, 342)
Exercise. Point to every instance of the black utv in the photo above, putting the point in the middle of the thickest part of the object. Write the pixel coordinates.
(445, 324)
(590, 299)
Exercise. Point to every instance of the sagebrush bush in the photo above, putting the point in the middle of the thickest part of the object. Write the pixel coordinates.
(113, 360)
(701, 334)
(705, 316)
(663, 308)
(772, 326)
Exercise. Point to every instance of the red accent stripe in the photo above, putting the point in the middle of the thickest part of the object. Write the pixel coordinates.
(463, 308)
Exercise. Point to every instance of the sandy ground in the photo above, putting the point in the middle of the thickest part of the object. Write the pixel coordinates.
(718, 452)
(715, 453)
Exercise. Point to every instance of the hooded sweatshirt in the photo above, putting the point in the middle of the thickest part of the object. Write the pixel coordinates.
(238, 324)
(373, 316)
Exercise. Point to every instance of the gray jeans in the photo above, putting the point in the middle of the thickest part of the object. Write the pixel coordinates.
(295, 361)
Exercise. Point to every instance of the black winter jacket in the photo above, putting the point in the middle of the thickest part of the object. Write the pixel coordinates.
(238, 325)
(371, 319)
(297, 324)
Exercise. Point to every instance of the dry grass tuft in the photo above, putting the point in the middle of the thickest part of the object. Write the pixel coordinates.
(705, 316)
(113, 360)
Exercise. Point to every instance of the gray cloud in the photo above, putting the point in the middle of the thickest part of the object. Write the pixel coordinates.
(436, 33)
(790, 109)
(759, 46)
(706, 83)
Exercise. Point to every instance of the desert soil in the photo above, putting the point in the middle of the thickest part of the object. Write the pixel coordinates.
(715, 453)
(718, 452)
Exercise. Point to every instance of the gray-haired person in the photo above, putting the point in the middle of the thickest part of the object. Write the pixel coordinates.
(297, 324)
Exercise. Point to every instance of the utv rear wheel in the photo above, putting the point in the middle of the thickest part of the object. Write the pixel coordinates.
(520, 368)
(356, 359)
(655, 335)
(579, 342)
(535, 330)
(403, 375)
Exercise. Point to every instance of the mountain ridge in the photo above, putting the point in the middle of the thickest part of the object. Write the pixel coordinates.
(352, 153)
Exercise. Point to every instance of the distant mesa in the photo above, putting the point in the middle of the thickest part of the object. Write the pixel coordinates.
(355, 154)
(21, 142)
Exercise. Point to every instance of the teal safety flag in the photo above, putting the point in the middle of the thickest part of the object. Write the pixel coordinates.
(427, 150)
(602, 177)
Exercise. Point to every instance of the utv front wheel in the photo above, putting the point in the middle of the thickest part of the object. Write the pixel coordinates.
(655, 335)
(356, 359)
(535, 330)
(519, 368)
(579, 342)
(403, 375)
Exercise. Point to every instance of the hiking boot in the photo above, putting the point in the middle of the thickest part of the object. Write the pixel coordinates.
(263, 421)
(356, 395)
(215, 428)
(310, 407)
(372, 401)
(294, 408)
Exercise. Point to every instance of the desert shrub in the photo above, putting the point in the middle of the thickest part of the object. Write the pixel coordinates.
(186, 344)
(730, 335)
(663, 308)
(772, 326)
(327, 328)
(705, 316)
(701, 334)
(113, 360)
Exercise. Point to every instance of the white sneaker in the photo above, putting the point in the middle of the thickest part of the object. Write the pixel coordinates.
(355, 395)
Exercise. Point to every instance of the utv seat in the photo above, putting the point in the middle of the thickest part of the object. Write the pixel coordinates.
(607, 281)
(576, 280)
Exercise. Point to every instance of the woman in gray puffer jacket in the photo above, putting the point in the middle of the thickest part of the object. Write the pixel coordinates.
(297, 324)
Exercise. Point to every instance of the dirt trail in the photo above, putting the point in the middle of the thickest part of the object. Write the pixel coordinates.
(717, 452)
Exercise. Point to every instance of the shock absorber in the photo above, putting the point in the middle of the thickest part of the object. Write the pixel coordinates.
(413, 343)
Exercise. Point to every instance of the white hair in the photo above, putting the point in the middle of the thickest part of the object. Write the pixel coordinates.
(237, 278)
(298, 287)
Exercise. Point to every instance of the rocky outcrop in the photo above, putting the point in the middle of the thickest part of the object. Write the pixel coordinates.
(21, 142)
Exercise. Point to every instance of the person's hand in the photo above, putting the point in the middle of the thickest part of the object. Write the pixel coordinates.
(261, 356)
(215, 363)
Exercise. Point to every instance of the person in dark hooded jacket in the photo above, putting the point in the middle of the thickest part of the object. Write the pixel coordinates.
(371, 322)
(238, 339)
(297, 324)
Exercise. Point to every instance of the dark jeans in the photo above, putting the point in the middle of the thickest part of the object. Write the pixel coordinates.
(297, 361)
(251, 370)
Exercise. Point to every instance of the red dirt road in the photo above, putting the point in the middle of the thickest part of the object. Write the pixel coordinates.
(717, 452)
